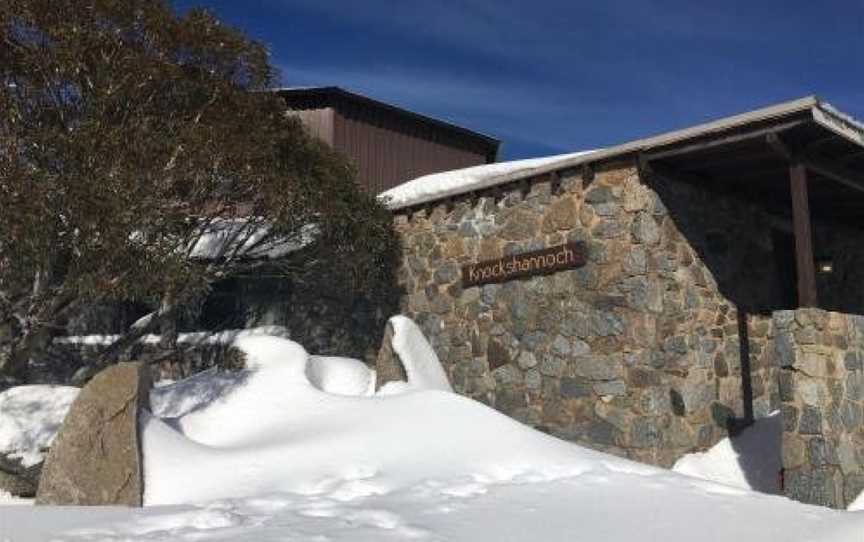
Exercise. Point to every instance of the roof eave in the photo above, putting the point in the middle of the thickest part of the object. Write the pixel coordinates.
(821, 113)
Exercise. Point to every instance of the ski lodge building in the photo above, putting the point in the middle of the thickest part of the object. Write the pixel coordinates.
(651, 298)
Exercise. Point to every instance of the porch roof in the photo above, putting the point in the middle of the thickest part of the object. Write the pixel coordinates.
(746, 155)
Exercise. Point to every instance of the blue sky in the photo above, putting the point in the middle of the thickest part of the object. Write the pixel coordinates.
(559, 76)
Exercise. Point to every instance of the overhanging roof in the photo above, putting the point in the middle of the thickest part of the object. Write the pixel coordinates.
(761, 136)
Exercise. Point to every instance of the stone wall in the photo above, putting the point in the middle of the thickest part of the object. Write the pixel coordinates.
(638, 353)
(821, 355)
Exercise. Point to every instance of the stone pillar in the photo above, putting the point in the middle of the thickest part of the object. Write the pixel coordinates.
(822, 396)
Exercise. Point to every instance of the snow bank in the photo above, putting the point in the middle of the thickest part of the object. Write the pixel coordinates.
(341, 376)
(273, 430)
(750, 460)
(450, 183)
(7, 499)
(198, 337)
(267, 454)
(422, 366)
(30, 417)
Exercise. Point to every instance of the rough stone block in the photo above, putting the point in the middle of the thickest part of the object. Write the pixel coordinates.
(789, 414)
(784, 349)
(645, 433)
(852, 416)
(599, 194)
(611, 388)
(855, 386)
(509, 400)
(561, 215)
(821, 486)
(602, 432)
(96, 456)
(821, 452)
(599, 367)
(552, 366)
(645, 229)
(854, 361)
(786, 384)
(388, 366)
(811, 421)
(793, 452)
(575, 388)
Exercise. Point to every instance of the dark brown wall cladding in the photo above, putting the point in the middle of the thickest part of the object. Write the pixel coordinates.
(390, 151)
(389, 145)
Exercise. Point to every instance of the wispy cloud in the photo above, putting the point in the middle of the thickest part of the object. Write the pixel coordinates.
(569, 75)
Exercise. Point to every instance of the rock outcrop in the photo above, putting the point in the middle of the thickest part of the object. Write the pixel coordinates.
(96, 457)
(388, 366)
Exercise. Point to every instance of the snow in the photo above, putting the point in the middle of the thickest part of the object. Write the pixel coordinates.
(30, 417)
(422, 366)
(198, 337)
(857, 504)
(7, 499)
(298, 447)
(340, 376)
(222, 238)
(450, 183)
(849, 119)
(750, 460)
(279, 433)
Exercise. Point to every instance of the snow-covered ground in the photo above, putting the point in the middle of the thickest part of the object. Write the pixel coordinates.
(30, 417)
(298, 447)
(751, 460)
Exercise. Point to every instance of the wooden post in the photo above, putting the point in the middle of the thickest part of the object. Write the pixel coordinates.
(807, 296)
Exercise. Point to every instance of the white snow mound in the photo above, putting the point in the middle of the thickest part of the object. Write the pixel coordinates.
(30, 417)
(342, 376)
(422, 366)
(269, 454)
(750, 460)
(273, 430)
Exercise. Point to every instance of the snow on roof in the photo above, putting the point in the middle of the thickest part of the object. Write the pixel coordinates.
(450, 183)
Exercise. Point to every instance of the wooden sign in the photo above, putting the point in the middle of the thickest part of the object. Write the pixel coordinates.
(528, 264)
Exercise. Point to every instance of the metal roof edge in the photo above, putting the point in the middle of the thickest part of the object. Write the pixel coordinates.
(838, 122)
(784, 109)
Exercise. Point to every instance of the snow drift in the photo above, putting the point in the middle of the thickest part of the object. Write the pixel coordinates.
(30, 417)
(298, 447)
(272, 430)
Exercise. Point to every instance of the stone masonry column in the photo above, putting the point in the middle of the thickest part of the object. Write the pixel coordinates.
(821, 391)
